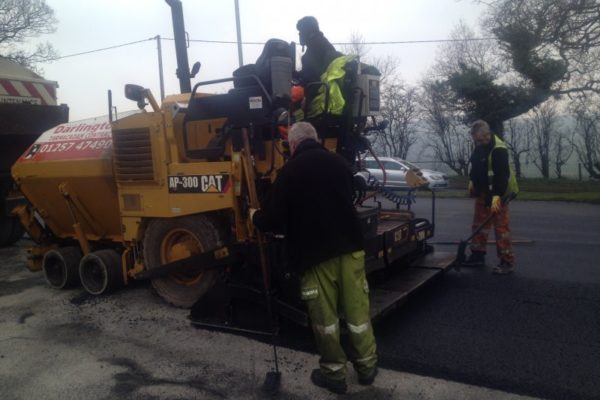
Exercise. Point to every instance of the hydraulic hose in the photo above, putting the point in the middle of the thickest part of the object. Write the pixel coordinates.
(379, 187)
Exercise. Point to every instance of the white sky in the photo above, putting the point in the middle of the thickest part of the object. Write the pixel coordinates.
(90, 24)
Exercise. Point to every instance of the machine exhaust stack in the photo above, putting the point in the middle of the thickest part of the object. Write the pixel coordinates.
(183, 68)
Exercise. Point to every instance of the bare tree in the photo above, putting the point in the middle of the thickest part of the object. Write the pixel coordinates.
(356, 45)
(543, 49)
(518, 136)
(20, 21)
(480, 79)
(553, 44)
(386, 65)
(562, 150)
(466, 50)
(401, 110)
(399, 102)
(587, 142)
(447, 136)
(545, 126)
(447, 133)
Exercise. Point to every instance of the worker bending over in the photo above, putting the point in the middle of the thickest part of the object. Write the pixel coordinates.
(490, 178)
(311, 203)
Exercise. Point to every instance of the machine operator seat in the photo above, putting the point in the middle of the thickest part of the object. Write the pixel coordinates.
(249, 102)
(273, 68)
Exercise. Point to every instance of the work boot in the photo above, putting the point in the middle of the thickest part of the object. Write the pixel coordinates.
(503, 268)
(368, 378)
(476, 259)
(333, 385)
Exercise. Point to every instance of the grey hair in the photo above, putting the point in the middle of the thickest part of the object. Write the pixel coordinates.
(480, 126)
(301, 131)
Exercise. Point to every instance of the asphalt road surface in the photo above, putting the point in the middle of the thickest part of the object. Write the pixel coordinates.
(535, 333)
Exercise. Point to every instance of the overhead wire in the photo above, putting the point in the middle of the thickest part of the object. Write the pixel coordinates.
(101, 49)
(262, 43)
(351, 43)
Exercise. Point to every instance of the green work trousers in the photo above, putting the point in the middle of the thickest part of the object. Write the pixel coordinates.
(338, 289)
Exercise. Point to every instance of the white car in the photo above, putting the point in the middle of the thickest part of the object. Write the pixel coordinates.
(396, 170)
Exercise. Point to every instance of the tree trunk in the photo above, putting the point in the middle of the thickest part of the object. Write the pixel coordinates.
(545, 167)
(517, 162)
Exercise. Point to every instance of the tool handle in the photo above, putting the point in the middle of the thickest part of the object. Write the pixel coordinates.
(254, 203)
(508, 197)
(251, 183)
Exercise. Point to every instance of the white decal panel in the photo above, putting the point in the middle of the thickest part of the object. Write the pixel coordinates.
(199, 183)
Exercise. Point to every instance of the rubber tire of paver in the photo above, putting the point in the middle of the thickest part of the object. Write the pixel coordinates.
(101, 272)
(169, 239)
(61, 267)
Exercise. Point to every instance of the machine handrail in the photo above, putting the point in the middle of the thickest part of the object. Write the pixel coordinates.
(222, 80)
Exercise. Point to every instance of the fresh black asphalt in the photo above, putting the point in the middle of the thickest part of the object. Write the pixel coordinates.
(535, 332)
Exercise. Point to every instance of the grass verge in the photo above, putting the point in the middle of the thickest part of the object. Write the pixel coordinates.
(536, 189)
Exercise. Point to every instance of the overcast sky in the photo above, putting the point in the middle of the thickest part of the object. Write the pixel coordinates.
(91, 24)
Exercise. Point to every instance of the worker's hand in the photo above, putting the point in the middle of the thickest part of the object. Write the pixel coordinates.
(249, 222)
(496, 204)
(251, 212)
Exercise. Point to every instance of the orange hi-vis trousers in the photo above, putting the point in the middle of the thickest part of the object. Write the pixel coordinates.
(501, 222)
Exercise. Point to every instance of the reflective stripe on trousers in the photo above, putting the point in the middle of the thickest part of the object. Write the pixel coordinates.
(340, 285)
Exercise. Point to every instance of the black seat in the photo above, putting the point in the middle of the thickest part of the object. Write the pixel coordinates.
(262, 67)
(250, 102)
(241, 106)
(247, 101)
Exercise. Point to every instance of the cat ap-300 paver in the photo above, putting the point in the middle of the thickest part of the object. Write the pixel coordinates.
(163, 194)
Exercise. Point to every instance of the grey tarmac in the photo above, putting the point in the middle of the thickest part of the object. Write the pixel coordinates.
(131, 345)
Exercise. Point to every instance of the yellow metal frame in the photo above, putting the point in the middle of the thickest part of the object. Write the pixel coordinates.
(142, 199)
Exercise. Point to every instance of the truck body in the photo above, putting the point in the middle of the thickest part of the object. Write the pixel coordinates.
(27, 108)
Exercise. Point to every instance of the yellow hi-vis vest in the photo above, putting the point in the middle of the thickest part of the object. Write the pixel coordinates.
(332, 77)
(513, 187)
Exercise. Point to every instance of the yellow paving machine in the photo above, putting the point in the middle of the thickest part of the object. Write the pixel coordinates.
(163, 194)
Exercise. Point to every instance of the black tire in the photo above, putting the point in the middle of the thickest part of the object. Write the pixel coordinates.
(61, 267)
(101, 272)
(197, 233)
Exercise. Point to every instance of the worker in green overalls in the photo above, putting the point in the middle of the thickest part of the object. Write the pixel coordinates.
(311, 204)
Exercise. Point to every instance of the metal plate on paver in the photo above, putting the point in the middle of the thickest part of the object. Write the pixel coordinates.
(389, 294)
(438, 260)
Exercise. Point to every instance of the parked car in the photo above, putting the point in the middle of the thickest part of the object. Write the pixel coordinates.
(396, 170)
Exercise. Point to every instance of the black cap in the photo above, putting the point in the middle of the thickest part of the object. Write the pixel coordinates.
(307, 27)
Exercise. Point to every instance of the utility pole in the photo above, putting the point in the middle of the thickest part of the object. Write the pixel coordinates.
(160, 67)
(239, 32)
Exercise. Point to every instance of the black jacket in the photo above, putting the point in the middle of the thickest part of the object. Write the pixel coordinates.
(311, 203)
(319, 54)
(479, 170)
